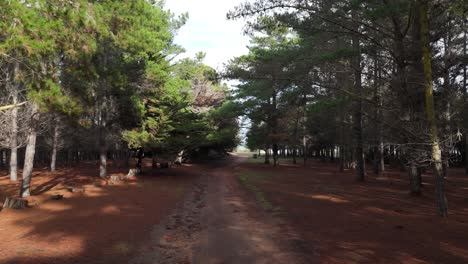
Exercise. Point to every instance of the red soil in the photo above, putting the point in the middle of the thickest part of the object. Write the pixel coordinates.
(105, 224)
(337, 220)
(378, 221)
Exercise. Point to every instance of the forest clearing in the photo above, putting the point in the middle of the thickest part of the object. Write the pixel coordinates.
(240, 131)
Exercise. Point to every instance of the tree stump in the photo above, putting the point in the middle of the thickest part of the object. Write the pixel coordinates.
(15, 203)
(115, 178)
(132, 173)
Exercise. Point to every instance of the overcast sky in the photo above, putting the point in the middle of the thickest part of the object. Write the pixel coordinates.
(208, 30)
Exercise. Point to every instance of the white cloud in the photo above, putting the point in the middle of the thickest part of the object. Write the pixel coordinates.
(209, 31)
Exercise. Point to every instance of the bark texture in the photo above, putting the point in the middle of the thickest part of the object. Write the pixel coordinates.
(422, 8)
(30, 153)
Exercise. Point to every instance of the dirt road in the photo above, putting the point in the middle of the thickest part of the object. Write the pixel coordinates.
(220, 223)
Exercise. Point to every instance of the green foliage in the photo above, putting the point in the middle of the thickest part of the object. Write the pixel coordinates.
(173, 120)
(105, 66)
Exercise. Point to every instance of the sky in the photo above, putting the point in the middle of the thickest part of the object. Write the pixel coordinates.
(209, 31)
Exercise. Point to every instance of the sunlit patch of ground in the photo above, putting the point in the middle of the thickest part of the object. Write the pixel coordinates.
(377, 221)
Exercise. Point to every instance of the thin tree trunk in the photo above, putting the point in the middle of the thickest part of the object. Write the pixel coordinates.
(466, 153)
(14, 129)
(267, 156)
(102, 160)
(415, 179)
(275, 154)
(53, 158)
(30, 153)
(102, 149)
(380, 128)
(465, 87)
(275, 124)
(304, 150)
(154, 161)
(430, 109)
(294, 154)
(381, 158)
(359, 150)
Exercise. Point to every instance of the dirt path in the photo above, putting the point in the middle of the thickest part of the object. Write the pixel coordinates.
(220, 223)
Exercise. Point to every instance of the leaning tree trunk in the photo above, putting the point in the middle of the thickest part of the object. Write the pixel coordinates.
(15, 203)
(30, 153)
(53, 158)
(422, 8)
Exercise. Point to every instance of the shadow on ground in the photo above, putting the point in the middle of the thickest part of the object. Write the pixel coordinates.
(105, 224)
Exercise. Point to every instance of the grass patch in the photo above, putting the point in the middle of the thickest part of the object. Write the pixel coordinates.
(250, 180)
(256, 161)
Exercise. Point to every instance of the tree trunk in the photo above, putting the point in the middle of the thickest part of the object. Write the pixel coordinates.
(466, 153)
(154, 161)
(267, 156)
(275, 124)
(15, 203)
(102, 160)
(342, 158)
(359, 150)
(415, 179)
(14, 130)
(294, 154)
(381, 129)
(275, 154)
(30, 153)
(465, 87)
(304, 150)
(422, 8)
(102, 145)
(53, 158)
(381, 158)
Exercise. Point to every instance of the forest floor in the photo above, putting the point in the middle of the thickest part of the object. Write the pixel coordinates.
(234, 211)
(108, 223)
(377, 221)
